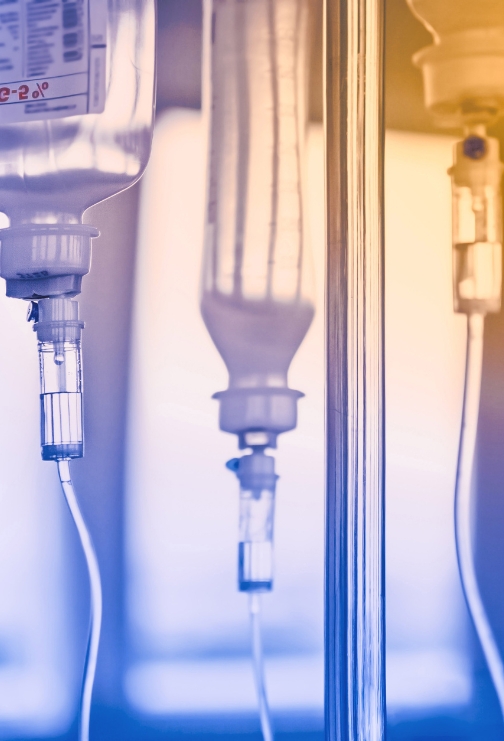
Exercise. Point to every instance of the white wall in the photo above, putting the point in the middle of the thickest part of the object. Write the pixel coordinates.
(425, 351)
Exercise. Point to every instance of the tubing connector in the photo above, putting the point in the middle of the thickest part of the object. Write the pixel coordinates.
(256, 473)
(477, 225)
(58, 331)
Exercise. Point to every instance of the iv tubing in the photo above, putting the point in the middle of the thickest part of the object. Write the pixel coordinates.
(463, 486)
(257, 655)
(96, 598)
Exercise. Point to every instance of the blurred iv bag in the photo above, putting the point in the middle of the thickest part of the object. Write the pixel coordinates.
(76, 105)
(257, 291)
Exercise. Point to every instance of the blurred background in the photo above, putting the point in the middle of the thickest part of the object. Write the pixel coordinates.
(175, 657)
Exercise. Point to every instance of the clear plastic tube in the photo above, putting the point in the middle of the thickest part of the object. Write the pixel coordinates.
(255, 554)
(258, 663)
(58, 331)
(96, 598)
(463, 502)
(257, 476)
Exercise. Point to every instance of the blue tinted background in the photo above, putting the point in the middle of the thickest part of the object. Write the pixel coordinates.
(438, 685)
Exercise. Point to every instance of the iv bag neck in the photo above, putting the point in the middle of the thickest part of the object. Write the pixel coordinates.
(257, 341)
(463, 70)
(45, 260)
(258, 415)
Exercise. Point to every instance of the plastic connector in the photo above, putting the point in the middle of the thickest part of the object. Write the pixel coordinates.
(256, 473)
(58, 331)
(477, 225)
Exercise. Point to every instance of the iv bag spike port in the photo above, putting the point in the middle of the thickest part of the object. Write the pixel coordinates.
(58, 331)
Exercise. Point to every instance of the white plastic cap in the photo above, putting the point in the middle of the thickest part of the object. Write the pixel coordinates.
(463, 71)
(43, 260)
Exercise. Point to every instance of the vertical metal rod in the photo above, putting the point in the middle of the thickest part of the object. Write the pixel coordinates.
(355, 632)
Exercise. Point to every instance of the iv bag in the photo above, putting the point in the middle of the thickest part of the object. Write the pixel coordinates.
(54, 169)
(76, 110)
(257, 295)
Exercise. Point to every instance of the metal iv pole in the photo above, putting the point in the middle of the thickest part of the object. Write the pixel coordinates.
(355, 632)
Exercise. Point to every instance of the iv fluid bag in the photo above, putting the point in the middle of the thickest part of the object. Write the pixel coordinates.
(257, 300)
(76, 104)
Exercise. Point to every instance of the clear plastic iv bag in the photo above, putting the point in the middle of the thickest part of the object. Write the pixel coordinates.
(76, 111)
(53, 169)
(257, 300)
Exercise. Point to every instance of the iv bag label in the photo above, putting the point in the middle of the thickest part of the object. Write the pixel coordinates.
(52, 59)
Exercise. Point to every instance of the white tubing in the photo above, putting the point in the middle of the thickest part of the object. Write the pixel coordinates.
(463, 502)
(258, 662)
(95, 594)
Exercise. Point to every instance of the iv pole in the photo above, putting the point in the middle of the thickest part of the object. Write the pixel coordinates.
(355, 618)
